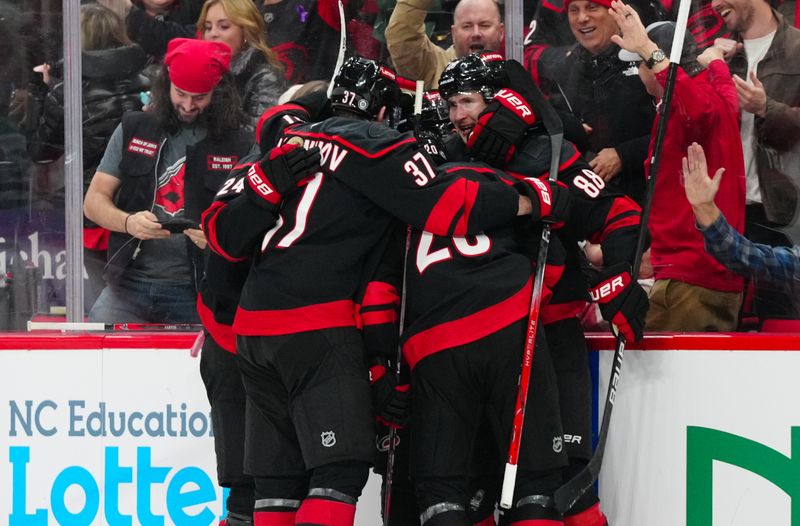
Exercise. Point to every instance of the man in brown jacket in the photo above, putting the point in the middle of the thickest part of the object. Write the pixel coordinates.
(765, 60)
(477, 25)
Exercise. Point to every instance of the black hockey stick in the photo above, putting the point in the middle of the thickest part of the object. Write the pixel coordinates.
(555, 129)
(566, 496)
(387, 488)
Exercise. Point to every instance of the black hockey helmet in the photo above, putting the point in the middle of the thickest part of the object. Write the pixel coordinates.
(362, 86)
(435, 117)
(480, 72)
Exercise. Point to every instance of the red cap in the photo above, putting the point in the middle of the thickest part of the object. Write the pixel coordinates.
(605, 3)
(196, 66)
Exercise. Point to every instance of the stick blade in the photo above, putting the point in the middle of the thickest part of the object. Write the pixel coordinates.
(567, 495)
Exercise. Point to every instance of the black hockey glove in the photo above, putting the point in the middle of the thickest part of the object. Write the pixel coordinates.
(390, 401)
(551, 202)
(623, 302)
(502, 124)
(279, 172)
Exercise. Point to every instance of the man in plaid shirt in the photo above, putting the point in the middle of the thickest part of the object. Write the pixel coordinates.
(778, 265)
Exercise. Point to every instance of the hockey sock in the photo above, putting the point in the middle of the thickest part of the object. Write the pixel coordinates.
(240, 501)
(589, 517)
(237, 519)
(271, 510)
(444, 514)
(325, 512)
(274, 518)
(488, 521)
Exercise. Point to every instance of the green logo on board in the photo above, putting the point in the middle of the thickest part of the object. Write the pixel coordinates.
(704, 446)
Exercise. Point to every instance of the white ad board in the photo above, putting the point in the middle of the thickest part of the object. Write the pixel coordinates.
(703, 438)
(111, 437)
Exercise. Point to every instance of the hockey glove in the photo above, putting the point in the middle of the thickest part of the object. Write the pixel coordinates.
(391, 401)
(551, 201)
(622, 301)
(502, 124)
(282, 170)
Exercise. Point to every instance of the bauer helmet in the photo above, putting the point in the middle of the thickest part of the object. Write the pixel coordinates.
(480, 72)
(363, 86)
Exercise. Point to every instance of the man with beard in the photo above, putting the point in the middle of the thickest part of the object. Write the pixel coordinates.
(765, 59)
(159, 172)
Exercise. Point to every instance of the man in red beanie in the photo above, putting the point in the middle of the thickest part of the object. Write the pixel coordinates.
(160, 171)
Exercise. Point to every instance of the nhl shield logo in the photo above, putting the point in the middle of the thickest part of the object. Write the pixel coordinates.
(557, 444)
(328, 438)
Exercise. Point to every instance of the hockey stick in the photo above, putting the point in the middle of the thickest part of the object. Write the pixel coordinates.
(566, 496)
(555, 129)
(387, 489)
(342, 47)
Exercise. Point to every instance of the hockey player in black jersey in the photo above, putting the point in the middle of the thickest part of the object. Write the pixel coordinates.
(300, 352)
(477, 87)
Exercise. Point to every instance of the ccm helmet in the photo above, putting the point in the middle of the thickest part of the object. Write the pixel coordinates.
(480, 72)
(363, 86)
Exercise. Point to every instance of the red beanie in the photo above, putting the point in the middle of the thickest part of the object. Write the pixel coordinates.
(195, 66)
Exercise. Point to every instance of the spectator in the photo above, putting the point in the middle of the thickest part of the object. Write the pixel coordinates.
(112, 81)
(692, 291)
(477, 25)
(591, 80)
(256, 69)
(153, 23)
(777, 265)
(765, 58)
(163, 166)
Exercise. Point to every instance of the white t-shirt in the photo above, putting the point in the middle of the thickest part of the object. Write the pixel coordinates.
(755, 50)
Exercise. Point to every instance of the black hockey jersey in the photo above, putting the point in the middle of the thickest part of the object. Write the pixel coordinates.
(597, 215)
(329, 236)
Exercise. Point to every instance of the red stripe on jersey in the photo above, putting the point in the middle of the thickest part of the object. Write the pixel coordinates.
(446, 208)
(324, 512)
(532, 54)
(537, 522)
(221, 333)
(339, 313)
(271, 112)
(378, 317)
(553, 312)
(209, 221)
(471, 193)
(380, 293)
(566, 164)
(469, 328)
(622, 206)
(352, 146)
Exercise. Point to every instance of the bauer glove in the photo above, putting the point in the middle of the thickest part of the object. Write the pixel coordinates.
(551, 201)
(390, 400)
(622, 301)
(280, 171)
(502, 124)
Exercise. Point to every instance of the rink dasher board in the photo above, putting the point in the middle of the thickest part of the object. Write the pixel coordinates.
(67, 458)
(705, 431)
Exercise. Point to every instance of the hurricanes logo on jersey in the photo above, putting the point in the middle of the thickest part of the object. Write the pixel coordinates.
(170, 190)
(328, 438)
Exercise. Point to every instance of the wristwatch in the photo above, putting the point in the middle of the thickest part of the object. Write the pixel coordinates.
(657, 56)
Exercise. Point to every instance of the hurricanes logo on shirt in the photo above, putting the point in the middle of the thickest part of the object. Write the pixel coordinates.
(170, 189)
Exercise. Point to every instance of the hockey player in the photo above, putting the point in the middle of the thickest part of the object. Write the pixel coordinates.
(479, 89)
(216, 306)
(299, 349)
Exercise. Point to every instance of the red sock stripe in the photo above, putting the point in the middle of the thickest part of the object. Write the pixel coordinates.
(589, 517)
(488, 521)
(321, 512)
(274, 518)
(537, 522)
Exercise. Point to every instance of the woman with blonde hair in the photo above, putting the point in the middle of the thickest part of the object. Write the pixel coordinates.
(256, 68)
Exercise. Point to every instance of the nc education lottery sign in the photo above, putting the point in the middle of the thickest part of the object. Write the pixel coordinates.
(705, 437)
(106, 437)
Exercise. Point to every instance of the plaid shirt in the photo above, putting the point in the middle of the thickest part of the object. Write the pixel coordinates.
(777, 265)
